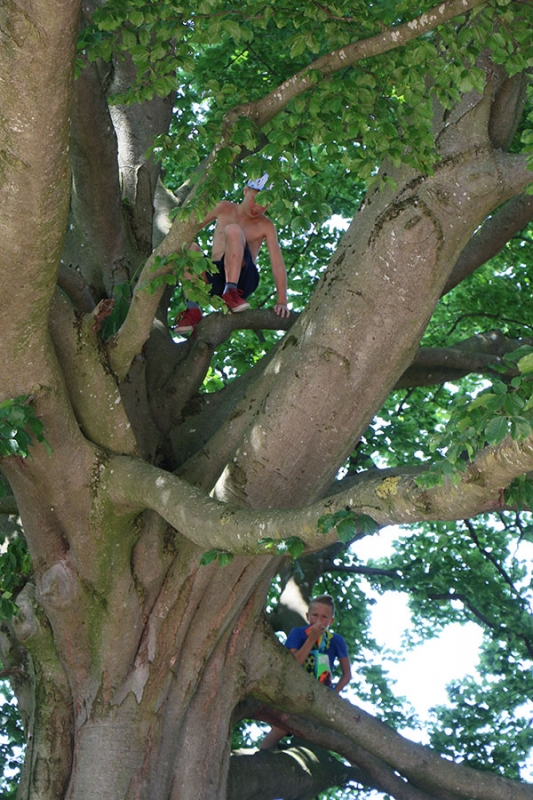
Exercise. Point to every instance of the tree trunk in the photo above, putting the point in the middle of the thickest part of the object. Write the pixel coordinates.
(150, 717)
(137, 655)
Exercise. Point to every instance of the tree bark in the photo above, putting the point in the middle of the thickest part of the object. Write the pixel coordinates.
(139, 655)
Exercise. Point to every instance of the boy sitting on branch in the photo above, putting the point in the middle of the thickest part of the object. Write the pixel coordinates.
(240, 231)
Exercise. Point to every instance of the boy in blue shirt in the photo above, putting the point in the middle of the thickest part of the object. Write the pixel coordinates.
(316, 649)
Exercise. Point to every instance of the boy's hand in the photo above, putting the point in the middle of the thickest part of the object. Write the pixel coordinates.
(315, 631)
(282, 310)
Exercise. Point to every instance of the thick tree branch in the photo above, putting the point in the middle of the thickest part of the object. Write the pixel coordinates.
(50, 722)
(492, 237)
(98, 233)
(508, 105)
(136, 485)
(137, 125)
(93, 391)
(202, 444)
(298, 773)
(146, 298)
(74, 286)
(301, 695)
(211, 332)
(35, 178)
(477, 354)
(370, 771)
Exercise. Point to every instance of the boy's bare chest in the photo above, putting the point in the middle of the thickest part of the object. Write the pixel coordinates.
(253, 230)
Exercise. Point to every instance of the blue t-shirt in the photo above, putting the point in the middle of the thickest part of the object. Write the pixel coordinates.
(330, 644)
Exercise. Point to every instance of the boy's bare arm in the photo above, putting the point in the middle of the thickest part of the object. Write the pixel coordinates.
(223, 209)
(279, 271)
(346, 676)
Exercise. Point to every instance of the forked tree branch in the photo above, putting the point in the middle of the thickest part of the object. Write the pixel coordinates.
(132, 483)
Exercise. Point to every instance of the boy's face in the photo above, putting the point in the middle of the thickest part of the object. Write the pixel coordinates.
(320, 612)
(254, 209)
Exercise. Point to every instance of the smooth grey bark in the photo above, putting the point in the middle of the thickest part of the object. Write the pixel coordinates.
(302, 770)
(392, 264)
(132, 719)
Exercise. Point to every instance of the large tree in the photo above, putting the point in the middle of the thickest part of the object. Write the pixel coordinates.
(132, 652)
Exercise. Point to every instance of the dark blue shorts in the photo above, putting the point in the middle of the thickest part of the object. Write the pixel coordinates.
(248, 279)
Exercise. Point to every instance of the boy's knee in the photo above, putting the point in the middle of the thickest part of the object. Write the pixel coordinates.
(234, 233)
(196, 247)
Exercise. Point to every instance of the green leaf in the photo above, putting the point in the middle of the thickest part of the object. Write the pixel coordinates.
(208, 557)
(481, 400)
(427, 480)
(496, 430)
(295, 546)
(513, 404)
(367, 524)
(326, 523)
(347, 529)
(225, 558)
(527, 533)
(266, 542)
(298, 47)
(525, 364)
(16, 416)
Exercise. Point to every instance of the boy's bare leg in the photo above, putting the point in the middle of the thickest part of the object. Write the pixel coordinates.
(234, 244)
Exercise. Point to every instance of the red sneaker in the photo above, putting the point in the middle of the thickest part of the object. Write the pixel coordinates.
(234, 300)
(187, 320)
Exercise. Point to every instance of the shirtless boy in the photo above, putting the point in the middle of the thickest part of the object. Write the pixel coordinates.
(240, 231)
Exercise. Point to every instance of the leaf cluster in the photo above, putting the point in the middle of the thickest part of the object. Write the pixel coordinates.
(291, 545)
(504, 408)
(458, 573)
(11, 743)
(347, 524)
(374, 110)
(15, 567)
(19, 426)
(222, 556)
(489, 725)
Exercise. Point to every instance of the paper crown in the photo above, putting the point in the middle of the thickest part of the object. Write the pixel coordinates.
(259, 184)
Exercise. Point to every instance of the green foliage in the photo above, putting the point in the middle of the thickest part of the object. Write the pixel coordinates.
(450, 571)
(504, 408)
(480, 572)
(193, 288)
(18, 423)
(15, 567)
(224, 558)
(171, 269)
(348, 524)
(292, 546)
(122, 293)
(489, 726)
(186, 48)
(11, 743)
